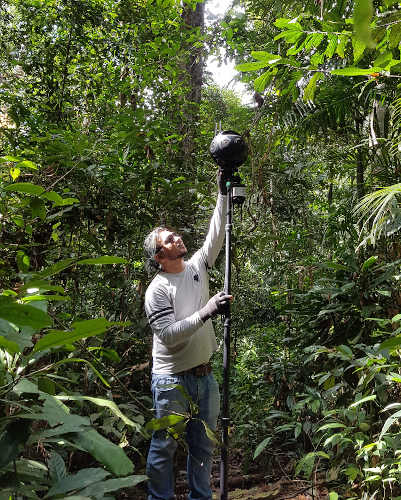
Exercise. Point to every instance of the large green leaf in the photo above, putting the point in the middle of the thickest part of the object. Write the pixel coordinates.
(157, 424)
(105, 452)
(388, 423)
(363, 13)
(77, 481)
(252, 66)
(113, 485)
(363, 400)
(261, 446)
(81, 330)
(369, 262)
(22, 314)
(55, 268)
(25, 187)
(106, 259)
(56, 465)
(261, 81)
(106, 403)
(354, 71)
(9, 345)
(309, 92)
(391, 343)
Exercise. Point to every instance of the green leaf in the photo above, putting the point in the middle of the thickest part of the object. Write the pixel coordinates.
(290, 36)
(157, 424)
(369, 262)
(23, 315)
(211, 434)
(297, 47)
(55, 268)
(261, 81)
(388, 423)
(47, 385)
(395, 35)
(9, 158)
(313, 40)
(331, 46)
(91, 366)
(333, 495)
(105, 403)
(392, 343)
(52, 196)
(396, 318)
(105, 452)
(22, 261)
(363, 13)
(113, 485)
(251, 66)
(9, 345)
(28, 164)
(358, 49)
(105, 259)
(332, 425)
(25, 187)
(56, 467)
(363, 400)
(264, 56)
(15, 173)
(285, 23)
(309, 92)
(352, 472)
(345, 350)
(38, 208)
(261, 446)
(306, 464)
(353, 71)
(48, 298)
(77, 481)
(342, 43)
(42, 285)
(81, 330)
(69, 201)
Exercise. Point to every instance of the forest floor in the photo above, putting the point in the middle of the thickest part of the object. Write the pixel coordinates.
(252, 486)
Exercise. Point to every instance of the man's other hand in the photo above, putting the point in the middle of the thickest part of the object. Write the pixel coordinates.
(216, 305)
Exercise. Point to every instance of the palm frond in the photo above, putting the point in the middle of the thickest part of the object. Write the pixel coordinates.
(379, 214)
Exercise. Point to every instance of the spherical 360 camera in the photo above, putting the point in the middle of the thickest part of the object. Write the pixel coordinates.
(229, 150)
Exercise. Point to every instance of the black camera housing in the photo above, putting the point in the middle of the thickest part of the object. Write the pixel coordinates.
(229, 151)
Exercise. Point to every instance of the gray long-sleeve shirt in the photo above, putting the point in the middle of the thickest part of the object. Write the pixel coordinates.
(180, 338)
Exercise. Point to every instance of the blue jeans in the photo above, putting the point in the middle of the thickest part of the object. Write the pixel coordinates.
(204, 392)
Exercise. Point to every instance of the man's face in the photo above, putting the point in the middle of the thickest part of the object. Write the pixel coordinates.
(172, 246)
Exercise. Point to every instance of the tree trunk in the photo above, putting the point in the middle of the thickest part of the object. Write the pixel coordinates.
(193, 78)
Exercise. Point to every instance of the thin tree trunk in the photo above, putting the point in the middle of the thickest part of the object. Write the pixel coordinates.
(193, 78)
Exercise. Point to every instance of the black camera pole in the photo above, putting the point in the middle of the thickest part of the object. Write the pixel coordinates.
(225, 414)
(229, 151)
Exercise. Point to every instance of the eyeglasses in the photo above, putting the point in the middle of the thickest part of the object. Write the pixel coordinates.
(170, 239)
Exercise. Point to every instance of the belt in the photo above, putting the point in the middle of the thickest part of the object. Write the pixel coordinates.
(198, 371)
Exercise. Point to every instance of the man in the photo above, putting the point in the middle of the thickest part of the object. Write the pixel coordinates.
(179, 312)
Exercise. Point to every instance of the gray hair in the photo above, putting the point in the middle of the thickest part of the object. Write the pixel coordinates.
(151, 248)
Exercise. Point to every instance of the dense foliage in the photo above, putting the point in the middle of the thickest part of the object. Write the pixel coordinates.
(103, 135)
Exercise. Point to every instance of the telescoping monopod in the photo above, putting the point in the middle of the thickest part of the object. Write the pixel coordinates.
(229, 151)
